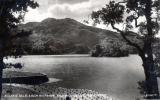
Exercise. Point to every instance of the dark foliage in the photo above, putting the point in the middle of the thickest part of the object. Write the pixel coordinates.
(128, 14)
(113, 47)
(8, 28)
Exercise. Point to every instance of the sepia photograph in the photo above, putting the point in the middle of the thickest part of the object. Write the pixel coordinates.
(79, 49)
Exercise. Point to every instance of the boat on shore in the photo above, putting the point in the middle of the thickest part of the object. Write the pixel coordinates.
(20, 77)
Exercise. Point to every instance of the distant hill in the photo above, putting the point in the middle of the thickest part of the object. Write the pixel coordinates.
(62, 36)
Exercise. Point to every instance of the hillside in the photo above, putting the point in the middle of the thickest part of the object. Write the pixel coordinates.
(62, 36)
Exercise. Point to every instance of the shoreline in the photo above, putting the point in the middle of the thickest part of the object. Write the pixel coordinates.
(54, 93)
(47, 90)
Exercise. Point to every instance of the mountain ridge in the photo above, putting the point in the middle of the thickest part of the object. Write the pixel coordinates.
(61, 36)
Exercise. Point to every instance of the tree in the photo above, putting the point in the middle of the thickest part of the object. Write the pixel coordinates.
(114, 47)
(97, 51)
(135, 14)
(11, 15)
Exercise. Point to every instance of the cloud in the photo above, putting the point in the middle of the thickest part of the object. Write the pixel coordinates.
(71, 1)
(50, 2)
(35, 15)
(76, 9)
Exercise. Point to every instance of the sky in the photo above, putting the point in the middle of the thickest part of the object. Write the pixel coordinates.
(79, 10)
(75, 9)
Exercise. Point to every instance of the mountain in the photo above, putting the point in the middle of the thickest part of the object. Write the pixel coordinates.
(62, 36)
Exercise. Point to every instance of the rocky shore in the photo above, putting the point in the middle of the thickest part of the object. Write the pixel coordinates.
(50, 92)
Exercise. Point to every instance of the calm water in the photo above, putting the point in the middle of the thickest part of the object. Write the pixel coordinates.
(115, 76)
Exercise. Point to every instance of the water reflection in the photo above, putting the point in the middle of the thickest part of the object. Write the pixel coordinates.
(114, 76)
